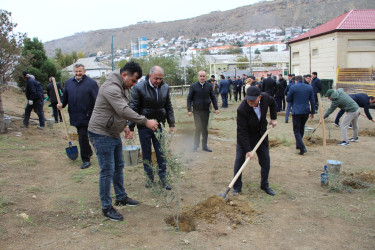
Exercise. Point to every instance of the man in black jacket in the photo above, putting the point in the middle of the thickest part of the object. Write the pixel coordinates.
(251, 125)
(269, 85)
(152, 99)
(53, 98)
(34, 95)
(201, 96)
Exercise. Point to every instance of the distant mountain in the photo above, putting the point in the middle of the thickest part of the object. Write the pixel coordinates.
(275, 14)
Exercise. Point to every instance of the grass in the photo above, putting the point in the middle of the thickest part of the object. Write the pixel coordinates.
(79, 175)
(4, 204)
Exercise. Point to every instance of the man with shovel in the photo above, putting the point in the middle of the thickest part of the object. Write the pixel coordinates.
(251, 125)
(109, 118)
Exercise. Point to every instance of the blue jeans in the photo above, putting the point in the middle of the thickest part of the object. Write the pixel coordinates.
(146, 137)
(288, 108)
(38, 109)
(111, 162)
(224, 99)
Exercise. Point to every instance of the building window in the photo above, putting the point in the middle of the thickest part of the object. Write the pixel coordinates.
(361, 43)
(295, 54)
(315, 52)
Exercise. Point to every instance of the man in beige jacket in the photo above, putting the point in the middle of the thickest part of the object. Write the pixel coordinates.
(109, 118)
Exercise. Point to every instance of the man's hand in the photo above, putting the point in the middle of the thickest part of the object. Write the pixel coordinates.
(152, 124)
(248, 154)
(128, 134)
(171, 130)
(311, 116)
(217, 112)
(373, 120)
(273, 123)
(190, 113)
(31, 102)
(59, 106)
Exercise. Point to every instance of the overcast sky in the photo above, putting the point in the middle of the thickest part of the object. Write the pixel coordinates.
(53, 19)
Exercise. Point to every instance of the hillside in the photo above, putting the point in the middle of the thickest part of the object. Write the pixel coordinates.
(279, 13)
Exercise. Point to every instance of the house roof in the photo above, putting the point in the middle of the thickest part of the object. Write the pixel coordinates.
(90, 63)
(350, 21)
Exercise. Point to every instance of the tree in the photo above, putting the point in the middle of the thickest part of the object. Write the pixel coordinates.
(10, 51)
(41, 66)
(242, 59)
(64, 60)
(198, 63)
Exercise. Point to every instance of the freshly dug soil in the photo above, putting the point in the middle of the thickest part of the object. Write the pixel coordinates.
(237, 211)
(318, 141)
(366, 132)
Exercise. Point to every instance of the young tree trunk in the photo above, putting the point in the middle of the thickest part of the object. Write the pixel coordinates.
(3, 129)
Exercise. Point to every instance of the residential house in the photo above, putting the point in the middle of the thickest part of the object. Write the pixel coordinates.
(93, 67)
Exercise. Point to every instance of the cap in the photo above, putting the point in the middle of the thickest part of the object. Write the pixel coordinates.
(213, 76)
(252, 93)
(329, 92)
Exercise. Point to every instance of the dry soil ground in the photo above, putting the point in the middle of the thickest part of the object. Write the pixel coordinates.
(48, 202)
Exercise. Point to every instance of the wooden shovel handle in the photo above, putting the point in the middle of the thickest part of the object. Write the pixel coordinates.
(324, 129)
(248, 159)
(61, 111)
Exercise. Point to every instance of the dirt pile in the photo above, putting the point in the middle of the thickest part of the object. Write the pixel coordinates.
(275, 143)
(237, 211)
(318, 141)
(366, 132)
(365, 176)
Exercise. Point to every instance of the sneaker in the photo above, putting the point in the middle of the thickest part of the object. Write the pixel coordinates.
(40, 127)
(350, 126)
(127, 202)
(354, 139)
(165, 185)
(112, 214)
(343, 143)
(236, 192)
(335, 124)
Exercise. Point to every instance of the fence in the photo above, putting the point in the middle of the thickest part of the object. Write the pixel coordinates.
(356, 80)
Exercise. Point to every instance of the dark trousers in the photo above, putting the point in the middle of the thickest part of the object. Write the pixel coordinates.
(56, 112)
(239, 94)
(84, 144)
(299, 122)
(263, 154)
(230, 93)
(146, 137)
(224, 99)
(278, 103)
(38, 109)
(316, 101)
(283, 102)
(201, 126)
(338, 116)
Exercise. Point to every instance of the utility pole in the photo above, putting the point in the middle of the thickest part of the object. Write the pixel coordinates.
(310, 45)
(250, 67)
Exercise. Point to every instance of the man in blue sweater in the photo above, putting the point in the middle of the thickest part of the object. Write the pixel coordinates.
(80, 93)
(363, 101)
(317, 88)
(224, 90)
(301, 96)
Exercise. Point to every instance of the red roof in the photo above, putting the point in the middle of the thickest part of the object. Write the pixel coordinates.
(352, 20)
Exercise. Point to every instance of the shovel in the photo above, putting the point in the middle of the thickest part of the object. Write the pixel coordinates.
(317, 126)
(71, 151)
(244, 165)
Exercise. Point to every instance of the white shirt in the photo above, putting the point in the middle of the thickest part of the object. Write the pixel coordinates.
(257, 110)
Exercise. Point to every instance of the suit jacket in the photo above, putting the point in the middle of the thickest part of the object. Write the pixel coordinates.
(300, 95)
(249, 127)
(269, 86)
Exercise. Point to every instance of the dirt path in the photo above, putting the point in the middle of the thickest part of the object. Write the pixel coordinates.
(63, 208)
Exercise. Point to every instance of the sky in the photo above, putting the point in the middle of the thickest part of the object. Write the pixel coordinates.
(53, 19)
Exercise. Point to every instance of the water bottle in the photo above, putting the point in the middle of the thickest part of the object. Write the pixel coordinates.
(324, 178)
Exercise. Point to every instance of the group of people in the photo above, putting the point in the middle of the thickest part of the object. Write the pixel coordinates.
(100, 115)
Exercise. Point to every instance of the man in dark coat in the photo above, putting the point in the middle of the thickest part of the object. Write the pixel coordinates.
(283, 85)
(152, 99)
(301, 96)
(80, 94)
(200, 97)
(317, 88)
(34, 95)
(53, 98)
(251, 125)
(269, 85)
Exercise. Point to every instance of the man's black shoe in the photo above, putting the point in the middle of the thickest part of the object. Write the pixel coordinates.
(236, 192)
(112, 214)
(268, 190)
(195, 148)
(86, 164)
(127, 202)
(302, 151)
(207, 149)
(165, 185)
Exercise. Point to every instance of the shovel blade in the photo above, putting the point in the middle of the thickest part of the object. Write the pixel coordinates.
(72, 152)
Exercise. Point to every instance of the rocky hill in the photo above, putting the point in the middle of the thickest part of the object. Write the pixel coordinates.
(275, 14)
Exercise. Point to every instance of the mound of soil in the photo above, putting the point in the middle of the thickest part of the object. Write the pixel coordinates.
(318, 141)
(73, 136)
(356, 184)
(236, 210)
(365, 176)
(224, 118)
(275, 143)
(366, 132)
